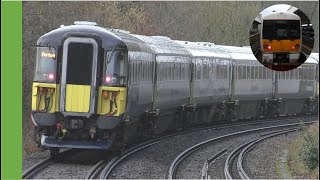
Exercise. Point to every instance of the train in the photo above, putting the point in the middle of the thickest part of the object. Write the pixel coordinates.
(101, 88)
(281, 38)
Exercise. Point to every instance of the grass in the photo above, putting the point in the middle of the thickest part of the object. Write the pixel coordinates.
(297, 152)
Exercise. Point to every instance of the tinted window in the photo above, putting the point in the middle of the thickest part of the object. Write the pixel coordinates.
(115, 68)
(45, 70)
(281, 29)
(79, 67)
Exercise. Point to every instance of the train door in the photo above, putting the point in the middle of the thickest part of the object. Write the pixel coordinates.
(78, 77)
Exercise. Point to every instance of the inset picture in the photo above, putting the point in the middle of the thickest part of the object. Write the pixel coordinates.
(281, 37)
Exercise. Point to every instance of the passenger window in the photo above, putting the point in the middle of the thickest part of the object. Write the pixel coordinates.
(251, 72)
(241, 72)
(311, 73)
(197, 66)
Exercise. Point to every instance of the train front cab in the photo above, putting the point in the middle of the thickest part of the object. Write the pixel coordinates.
(79, 93)
(281, 38)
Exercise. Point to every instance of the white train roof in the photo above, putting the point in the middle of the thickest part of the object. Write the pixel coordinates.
(239, 53)
(280, 15)
(203, 49)
(163, 45)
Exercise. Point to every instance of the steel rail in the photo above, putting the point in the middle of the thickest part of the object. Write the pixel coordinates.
(27, 174)
(230, 159)
(36, 168)
(171, 173)
(95, 170)
(249, 147)
(204, 171)
(105, 173)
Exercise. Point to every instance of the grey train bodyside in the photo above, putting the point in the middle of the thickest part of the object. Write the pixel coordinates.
(200, 82)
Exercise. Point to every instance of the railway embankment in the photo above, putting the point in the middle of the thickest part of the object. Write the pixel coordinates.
(303, 154)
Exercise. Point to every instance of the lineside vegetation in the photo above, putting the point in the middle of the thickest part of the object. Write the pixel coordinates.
(304, 154)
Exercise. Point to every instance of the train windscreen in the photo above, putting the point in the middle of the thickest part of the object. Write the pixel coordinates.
(45, 69)
(281, 29)
(114, 68)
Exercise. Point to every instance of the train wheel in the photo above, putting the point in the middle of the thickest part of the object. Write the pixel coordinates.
(54, 152)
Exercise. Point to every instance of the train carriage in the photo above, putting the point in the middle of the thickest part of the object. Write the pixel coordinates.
(295, 85)
(252, 84)
(210, 78)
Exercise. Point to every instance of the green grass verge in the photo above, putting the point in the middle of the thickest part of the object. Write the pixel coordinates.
(303, 151)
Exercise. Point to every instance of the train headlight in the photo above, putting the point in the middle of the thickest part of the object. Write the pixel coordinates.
(266, 46)
(108, 79)
(51, 76)
(296, 47)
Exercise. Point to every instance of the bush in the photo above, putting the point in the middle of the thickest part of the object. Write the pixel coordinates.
(310, 148)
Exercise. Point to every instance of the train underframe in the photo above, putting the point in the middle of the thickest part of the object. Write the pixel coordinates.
(188, 116)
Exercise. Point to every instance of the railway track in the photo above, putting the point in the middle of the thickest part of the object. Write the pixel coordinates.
(208, 162)
(242, 150)
(255, 43)
(33, 170)
(27, 174)
(306, 50)
(173, 168)
(103, 169)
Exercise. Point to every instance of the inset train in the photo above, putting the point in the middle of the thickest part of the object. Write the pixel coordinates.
(99, 88)
(281, 38)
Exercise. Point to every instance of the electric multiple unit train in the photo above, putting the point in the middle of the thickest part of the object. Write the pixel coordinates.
(98, 88)
(281, 38)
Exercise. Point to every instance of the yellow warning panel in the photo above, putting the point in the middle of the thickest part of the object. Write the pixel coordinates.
(77, 98)
(42, 92)
(112, 100)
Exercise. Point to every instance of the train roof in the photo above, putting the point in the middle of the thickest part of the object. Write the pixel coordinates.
(280, 16)
(55, 37)
(163, 45)
(239, 53)
(133, 43)
(203, 49)
(155, 44)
